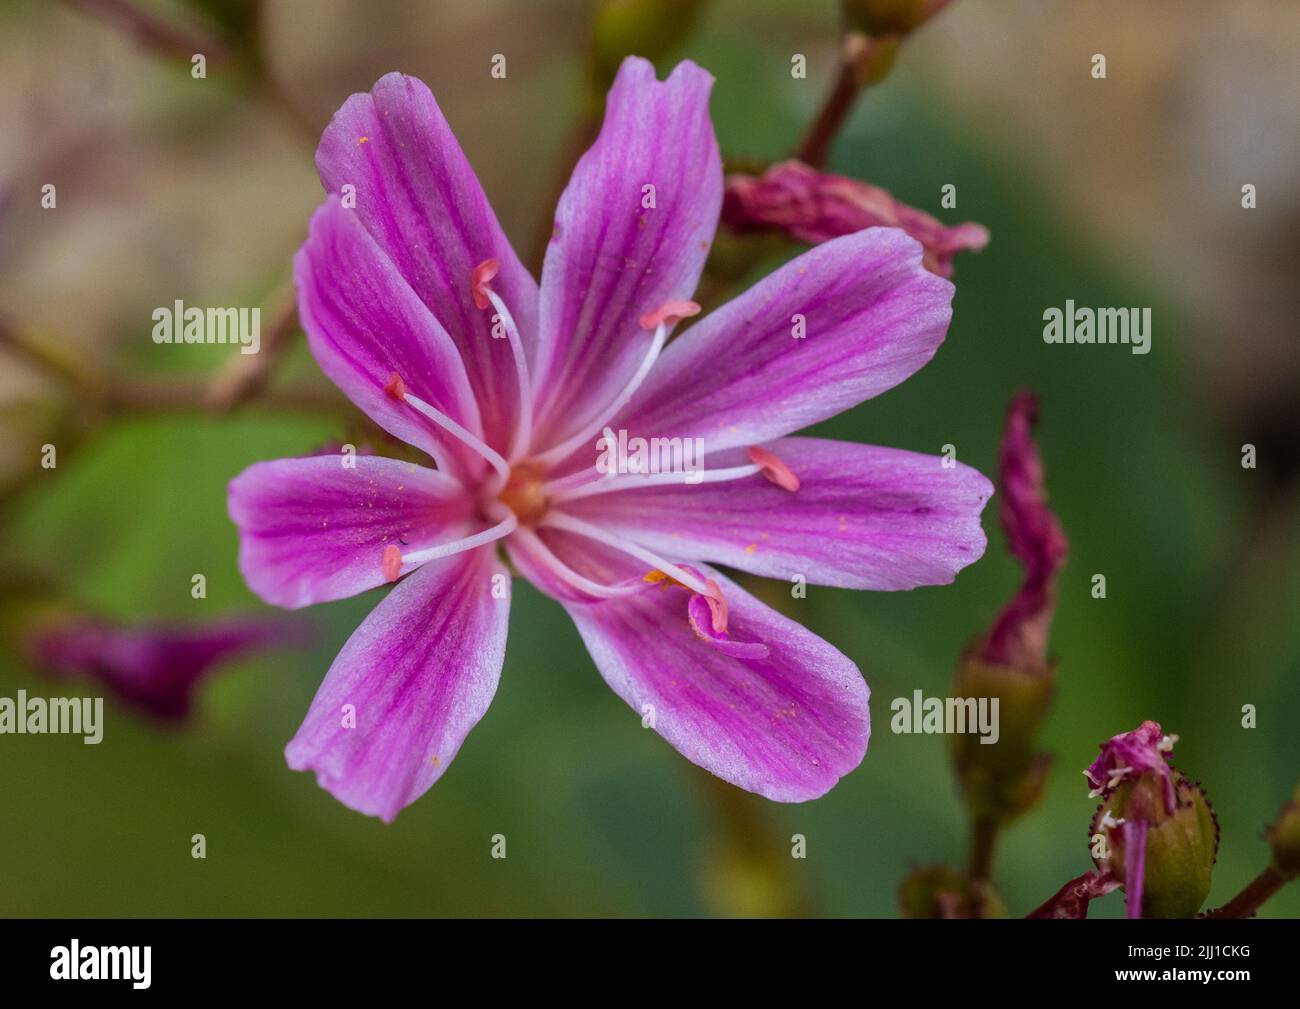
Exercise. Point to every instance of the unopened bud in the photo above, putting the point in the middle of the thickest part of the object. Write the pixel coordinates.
(940, 891)
(1003, 779)
(1284, 838)
(881, 17)
(649, 28)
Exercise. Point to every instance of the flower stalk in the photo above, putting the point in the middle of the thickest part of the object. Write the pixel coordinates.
(1247, 903)
(874, 30)
(1284, 841)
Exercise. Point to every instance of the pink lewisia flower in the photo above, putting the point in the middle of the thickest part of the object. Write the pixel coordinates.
(155, 668)
(416, 306)
(815, 207)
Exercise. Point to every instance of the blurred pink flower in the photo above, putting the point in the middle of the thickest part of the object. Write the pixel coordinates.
(153, 668)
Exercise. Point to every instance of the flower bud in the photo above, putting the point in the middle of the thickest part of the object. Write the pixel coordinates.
(649, 28)
(886, 17)
(1154, 830)
(1002, 780)
(1284, 838)
(940, 891)
(870, 58)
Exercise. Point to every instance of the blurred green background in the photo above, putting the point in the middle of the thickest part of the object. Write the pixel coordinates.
(1116, 192)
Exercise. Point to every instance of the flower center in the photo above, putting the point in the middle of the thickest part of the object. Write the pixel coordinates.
(524, 493)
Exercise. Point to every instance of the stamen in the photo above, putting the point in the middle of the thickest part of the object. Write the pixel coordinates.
(663, 319)
(455, 430)
(395, 387)
(712, 596)
(546, 557)
(479, 279)
(391, 562)
(717, 607)
(707, 614)
(503, 528)
(669, 313)
(557, 520)
(773, 468)
(706, 629)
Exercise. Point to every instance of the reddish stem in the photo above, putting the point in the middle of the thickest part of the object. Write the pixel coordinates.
(1247, 903)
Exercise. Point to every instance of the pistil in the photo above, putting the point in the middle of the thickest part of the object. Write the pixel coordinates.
(525, 493)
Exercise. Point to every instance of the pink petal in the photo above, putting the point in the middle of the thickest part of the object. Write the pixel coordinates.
(418, 674)
(364, 324)
(418, 197)
(787, 726)
(863, 517)
(611, 260)
(311, 530)
(872, 316)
